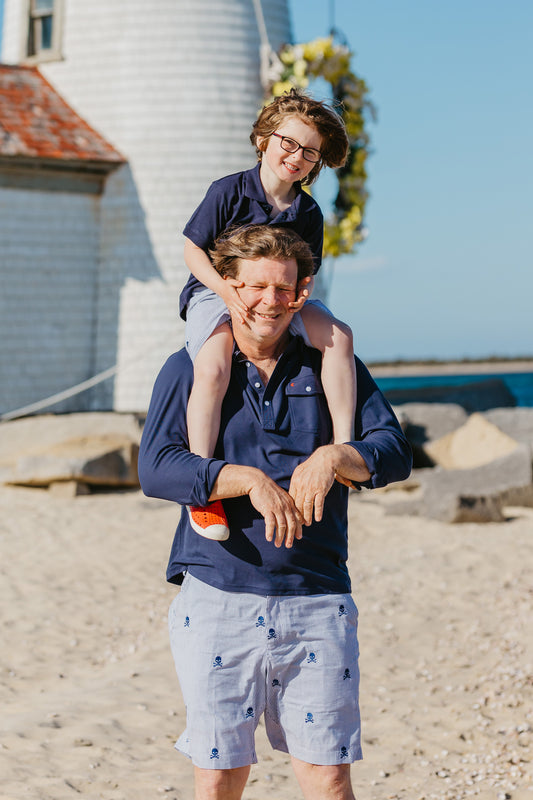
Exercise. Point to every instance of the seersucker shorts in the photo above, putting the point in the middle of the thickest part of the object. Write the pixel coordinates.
(206, 311)
(293, 659)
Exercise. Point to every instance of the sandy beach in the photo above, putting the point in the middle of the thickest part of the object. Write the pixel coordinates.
(91, 705)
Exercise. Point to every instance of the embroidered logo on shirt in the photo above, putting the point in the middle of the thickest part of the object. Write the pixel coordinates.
(186, 624)
(272, 634)
(312, 659)
(218, 661)
(344, 752)
(346, 674)
(260, 622)
(249, 713)
(309, 717)
(214, 753)
(342, 611)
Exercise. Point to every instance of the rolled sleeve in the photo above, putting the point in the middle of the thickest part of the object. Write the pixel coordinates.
(379, 438)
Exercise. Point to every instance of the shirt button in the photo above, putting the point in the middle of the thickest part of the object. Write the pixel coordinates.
(257, 385)
(247, 363)
(307, 388)
(267, 402)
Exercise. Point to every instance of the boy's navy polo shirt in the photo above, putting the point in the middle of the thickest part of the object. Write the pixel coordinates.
(273, 428)
(238, 200)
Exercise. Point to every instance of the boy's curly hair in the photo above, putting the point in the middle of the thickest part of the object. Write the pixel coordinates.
(318, 114)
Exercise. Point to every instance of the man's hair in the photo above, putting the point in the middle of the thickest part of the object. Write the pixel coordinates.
(317, 114)
(260, 241)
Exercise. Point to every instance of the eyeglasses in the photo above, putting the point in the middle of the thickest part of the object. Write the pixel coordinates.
(290, 146)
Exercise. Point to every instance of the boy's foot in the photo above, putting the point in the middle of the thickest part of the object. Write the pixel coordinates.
(210, 521)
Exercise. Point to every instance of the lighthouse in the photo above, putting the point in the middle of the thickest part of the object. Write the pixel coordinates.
(173, 86)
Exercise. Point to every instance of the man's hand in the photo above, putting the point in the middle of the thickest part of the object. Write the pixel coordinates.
(310, 483)
(283, 522)
(313, 478)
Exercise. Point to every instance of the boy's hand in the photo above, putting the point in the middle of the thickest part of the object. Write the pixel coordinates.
(302, 296)
(232, 299)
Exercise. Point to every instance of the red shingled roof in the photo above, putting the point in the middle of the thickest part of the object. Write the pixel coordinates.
(36, 123)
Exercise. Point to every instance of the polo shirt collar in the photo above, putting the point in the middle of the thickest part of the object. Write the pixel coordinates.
(253, 188)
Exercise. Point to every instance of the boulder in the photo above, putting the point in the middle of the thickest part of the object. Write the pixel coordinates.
(515, 422)
(95, 449)
(423, 422)
(476, 442)
(470, 495)
(479, 395)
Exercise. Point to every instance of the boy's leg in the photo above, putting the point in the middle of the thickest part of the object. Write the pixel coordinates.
(212, 369)
(335, 341)
(323, 782)
(220, 784)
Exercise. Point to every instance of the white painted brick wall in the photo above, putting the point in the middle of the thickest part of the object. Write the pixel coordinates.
(174, 85)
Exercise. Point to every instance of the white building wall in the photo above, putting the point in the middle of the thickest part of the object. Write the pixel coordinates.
(47, 303)
(174, 85)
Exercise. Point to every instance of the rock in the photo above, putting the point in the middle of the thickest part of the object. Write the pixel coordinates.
(476, 442)
(516, 422)
(68, 488)
(478, 395)
(92, 449)
(470, 495)
(423, 422)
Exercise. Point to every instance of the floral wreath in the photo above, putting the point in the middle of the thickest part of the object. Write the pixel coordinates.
(322, 58)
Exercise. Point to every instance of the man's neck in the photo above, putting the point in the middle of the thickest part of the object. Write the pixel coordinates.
(263, 356)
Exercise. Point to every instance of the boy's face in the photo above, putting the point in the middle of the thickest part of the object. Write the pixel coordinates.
(290, 167)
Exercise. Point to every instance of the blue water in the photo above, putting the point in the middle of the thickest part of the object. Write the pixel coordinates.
(520, 384)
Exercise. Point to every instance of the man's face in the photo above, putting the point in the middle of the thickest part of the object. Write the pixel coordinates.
(269, 287)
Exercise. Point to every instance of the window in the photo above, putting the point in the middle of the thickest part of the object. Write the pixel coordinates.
(44, 18)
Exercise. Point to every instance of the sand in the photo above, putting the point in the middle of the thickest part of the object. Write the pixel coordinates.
(90, 702)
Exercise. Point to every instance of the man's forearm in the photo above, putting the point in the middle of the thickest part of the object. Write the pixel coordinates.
(349, 463)
(235, 480)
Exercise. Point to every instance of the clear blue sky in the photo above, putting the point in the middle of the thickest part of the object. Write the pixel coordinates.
(446, 269)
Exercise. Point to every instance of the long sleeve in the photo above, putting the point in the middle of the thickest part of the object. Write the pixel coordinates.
(166, 467)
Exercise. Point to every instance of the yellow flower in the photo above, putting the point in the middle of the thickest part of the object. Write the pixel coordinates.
(280, 87)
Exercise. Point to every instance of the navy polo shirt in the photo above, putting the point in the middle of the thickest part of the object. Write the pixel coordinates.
(238, 200)
(274, 428)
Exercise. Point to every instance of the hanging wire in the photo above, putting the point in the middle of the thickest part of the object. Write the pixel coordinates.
(80, 387)
(266, 53)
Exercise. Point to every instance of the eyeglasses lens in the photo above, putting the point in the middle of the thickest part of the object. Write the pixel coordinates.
(290, 146)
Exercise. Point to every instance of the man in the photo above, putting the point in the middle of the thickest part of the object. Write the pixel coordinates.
(265, 622)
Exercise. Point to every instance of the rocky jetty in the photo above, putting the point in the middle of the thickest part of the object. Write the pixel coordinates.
(468, 467)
